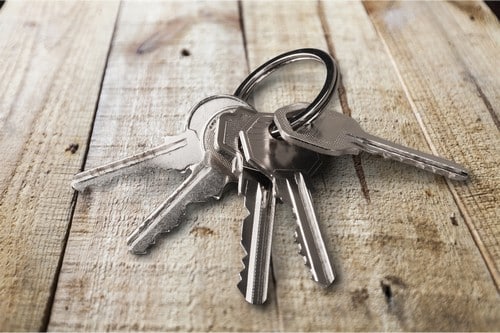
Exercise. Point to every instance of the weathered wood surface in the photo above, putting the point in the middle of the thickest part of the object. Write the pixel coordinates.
(434, 77)
(412, 251)
(52, 57)
(148, 88)
(434, 257)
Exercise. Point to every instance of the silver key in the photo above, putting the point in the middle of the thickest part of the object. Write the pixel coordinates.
(260, 201)
(335, 134)
(178, 152)
(207, 180)
(170, 155)
(285, 165)
(256, 236)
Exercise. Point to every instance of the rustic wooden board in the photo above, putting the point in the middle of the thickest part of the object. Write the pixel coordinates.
(188, 281)
(454, 88)
(52, 57)
(397, 267)
(412, 251)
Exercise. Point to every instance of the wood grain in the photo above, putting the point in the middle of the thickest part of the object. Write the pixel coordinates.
(188, 280)
(404, 256)
(454, 88)
(52, 58)
(412, 251)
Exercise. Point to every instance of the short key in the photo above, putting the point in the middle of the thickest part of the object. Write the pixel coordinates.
(335, 134)
(186, 150)
(286, 165)
(178, 152)
(260, 202)
(208, 180)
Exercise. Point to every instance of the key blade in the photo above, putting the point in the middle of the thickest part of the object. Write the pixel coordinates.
(336, 134)
(204, 183)
(256, 238)
(178, 153)
(428, 162)
(294, 191)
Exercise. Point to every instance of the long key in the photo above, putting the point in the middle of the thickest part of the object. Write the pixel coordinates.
(256, 236)
(286, 166)
(335, 134)
(207, 180)
(178, 152)
(260, 202)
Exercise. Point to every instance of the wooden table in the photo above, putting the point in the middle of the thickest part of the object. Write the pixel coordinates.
(84, 83)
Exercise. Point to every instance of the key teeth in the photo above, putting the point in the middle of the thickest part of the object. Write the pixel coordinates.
(253, 297)
(302, 251)
(144, 250)
(456, 172)
(242, 286)
(244, 244)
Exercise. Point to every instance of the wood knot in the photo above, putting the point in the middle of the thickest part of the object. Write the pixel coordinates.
(202, 231)
(72, 148)
(359, 296)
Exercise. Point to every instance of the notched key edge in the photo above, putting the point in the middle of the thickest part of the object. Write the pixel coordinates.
(320, 268)
(421, 160)
(169, 214)
(256, 238)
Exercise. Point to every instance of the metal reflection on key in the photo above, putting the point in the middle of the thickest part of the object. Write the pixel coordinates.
(208, 179)
(193, 150)
(178, 152)
(335, 134)
(287, 166)
(260, 202)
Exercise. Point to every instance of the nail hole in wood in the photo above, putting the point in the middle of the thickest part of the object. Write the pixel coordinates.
(453, 219)
(386, 289)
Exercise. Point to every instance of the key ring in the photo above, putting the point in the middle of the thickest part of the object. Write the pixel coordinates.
(314, 109)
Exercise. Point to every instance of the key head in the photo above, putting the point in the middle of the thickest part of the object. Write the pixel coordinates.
(223, 156)
(275, 157)
(329, 134)
(229, 125)
(203, 112)
(203, 119)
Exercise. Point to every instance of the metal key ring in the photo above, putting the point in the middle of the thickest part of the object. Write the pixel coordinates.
(313, 110)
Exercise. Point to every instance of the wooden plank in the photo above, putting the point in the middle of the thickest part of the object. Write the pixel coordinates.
(411, 268)
(454, 86)
(473, 30)
(299, 82)
(188, 281)
(52, 57)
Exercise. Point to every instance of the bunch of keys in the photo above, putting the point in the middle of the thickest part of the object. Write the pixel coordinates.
(270, 156)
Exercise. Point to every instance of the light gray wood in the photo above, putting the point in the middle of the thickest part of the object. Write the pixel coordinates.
(401, 261)
(412, 251)
(52, 57)
(188, 281)
(454, 89)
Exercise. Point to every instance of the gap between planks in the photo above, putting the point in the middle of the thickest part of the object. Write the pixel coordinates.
(463, 210)
(50, 303)
(271, 268)
(344, 101)
(485, 253)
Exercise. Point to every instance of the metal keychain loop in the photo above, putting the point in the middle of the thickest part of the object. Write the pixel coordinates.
(313, 110)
